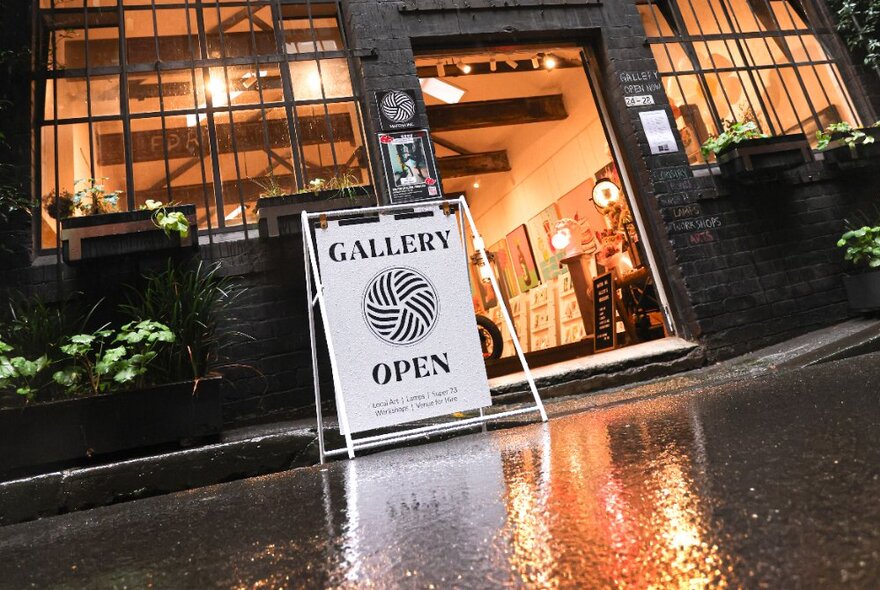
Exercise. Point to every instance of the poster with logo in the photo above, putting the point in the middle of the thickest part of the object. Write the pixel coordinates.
(409, 166)
(541, 229)
(401, 319)
(523, 262)
(397, 109)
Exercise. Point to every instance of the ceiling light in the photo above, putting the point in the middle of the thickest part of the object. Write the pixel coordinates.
(492, 65)
(550, 62)
(441, 69)
(465, 68)
(511, 64)
(442, 90)
(535, 62)
(477, 183)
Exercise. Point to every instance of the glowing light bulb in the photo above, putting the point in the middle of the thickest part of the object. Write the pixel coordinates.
(465, 68)
(476, 184)
(550, 62)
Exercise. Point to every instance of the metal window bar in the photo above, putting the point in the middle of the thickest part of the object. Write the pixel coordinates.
(169, 197)
(55, 150)
(199, 139)
(327, 120)
(233, 137)
(293, 126)
(89, 96)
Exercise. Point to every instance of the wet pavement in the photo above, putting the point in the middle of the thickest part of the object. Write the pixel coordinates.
(767, 482)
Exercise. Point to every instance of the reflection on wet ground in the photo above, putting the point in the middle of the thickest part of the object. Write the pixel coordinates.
(771, 483)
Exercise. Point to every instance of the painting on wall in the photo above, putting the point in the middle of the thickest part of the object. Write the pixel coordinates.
(541, 228)
(504, 266)
(576, 204)
(524, 266)
(482, 291)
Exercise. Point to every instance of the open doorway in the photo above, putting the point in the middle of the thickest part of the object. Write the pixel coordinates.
(518, 131)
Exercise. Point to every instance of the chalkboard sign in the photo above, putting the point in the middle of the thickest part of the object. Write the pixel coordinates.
(603, 312)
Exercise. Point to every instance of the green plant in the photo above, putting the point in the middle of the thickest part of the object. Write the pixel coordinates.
(100, 361)
(92, 198)
(191, 303)
(20, 373)
(734, 132)
(167, 221)
(270, 186)
(851, 136)
(858, 22)
(862, 246)
(346, 184)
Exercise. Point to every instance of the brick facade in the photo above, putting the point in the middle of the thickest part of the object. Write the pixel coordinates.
(766, 270)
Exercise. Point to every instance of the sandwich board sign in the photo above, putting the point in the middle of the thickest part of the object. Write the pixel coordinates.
(395, 299)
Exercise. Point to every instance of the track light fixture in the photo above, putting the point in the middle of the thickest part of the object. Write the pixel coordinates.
(441, 70)
(493, 65)
(511, 64)
(535, 63)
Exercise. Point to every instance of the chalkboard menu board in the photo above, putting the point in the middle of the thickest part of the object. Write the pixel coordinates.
(603, 312)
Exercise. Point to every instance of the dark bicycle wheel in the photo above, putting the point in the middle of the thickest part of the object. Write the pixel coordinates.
(490, 338)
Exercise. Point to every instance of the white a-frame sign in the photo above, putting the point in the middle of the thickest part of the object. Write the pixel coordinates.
(392, 287)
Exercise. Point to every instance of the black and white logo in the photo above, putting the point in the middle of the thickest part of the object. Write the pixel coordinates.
(401, 306)
(397, 108)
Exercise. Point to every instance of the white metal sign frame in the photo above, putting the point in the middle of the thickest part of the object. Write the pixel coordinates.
(315, 296)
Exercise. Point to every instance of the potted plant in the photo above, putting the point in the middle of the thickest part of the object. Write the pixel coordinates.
(863, 253)
(279, 211)
(93, 227)
(746, 155)
(846, 147)
(68, 395)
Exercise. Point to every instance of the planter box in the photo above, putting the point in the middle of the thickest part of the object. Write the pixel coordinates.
(863, 291)
(117, 234)
(76, 429)
(280, 216)
(764, 159)
(839, 155)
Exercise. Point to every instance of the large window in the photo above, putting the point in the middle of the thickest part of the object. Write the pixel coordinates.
(195, 102)
(743, 60)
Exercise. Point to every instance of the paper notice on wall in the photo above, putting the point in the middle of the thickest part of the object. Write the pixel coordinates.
(658, 131)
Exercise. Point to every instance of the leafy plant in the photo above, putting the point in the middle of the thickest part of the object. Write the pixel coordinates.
(270, 186)
(168, 221)
(346, 184)
(92, 198)
(862, 246)
(101, 361)
(190, 303)
(20, 373)
(733, 133)
(851, 136)
(858, 22)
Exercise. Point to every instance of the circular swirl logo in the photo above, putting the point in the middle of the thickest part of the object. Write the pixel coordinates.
(401, 306)
(398, 107)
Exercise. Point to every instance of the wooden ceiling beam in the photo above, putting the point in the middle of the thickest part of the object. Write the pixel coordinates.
(473, 164)
(496, 113)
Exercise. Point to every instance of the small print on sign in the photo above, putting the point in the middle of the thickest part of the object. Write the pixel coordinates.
(658, 132)
(642, 100)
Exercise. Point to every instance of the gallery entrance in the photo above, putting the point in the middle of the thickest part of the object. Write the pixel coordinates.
(519, 132)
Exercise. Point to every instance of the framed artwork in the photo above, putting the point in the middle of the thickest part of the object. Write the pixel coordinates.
(484, 295)
(577, 204)
(524, 266)
(541, 228)
(610, 172)
(505, 267)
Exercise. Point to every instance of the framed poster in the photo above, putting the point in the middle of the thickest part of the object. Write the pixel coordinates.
(541, 228)
(410, 170)
(397, 109)
(524, 266)
(504, 266)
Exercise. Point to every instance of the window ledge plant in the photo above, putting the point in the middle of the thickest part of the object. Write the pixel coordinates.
(862, 252)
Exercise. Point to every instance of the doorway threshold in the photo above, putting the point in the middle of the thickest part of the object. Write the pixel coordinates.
(638, 362)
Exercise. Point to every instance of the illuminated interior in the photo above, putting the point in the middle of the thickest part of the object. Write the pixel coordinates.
(522, 138)
(203, 105)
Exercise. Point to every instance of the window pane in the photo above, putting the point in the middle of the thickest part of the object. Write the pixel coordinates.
(333, 145)
(244, 84)
(691, 111)
(322, 34)
(72, 93)
(230, 32)
(308, 82)
(70, 48)
(189, 163)
(177, 91)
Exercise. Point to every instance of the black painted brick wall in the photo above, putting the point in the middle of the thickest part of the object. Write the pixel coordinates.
(772, 271)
